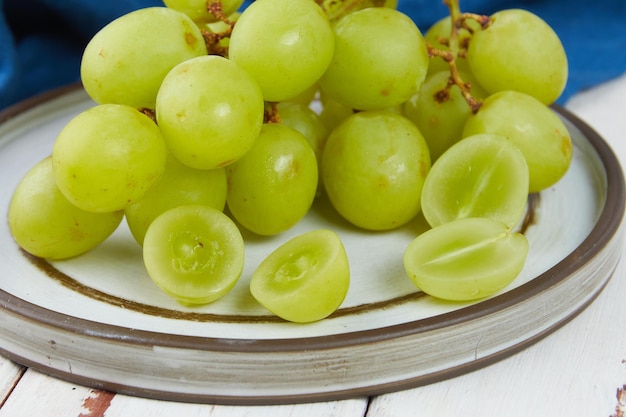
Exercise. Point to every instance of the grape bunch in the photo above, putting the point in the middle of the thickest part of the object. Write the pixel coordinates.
(208, 119)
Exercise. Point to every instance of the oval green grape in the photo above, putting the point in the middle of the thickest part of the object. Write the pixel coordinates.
(304, 280)
(194, 253)
(466, 259)
(45, 224)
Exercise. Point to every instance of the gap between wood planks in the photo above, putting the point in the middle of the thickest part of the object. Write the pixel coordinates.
(16, 381)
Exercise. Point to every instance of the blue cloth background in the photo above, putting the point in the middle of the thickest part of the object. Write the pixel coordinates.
(41, 41)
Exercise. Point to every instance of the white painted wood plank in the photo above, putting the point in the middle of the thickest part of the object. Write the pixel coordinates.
(10, 373)
(40, 395)
(124, 406)
(580, 370)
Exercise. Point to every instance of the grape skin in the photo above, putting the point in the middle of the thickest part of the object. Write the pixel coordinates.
(197, 9)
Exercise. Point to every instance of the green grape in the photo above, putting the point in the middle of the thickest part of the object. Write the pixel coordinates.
(210, 112)
(194, 253)
(286, 45)
(466, 259)
(540, 134)
(45, 224)
(519, 51)
(380, 60)
(338, 9)
(441, 30)
(306, 97)
(483, 175)
(333, 112)
(273, 186)
(373, 168)
(307, 122)
(180, 185)
(108, 157)
(197, 9)
(126, 61)
(441, 121)
(304, 280)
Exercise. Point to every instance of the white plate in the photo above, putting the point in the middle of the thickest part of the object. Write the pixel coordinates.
(98, 320)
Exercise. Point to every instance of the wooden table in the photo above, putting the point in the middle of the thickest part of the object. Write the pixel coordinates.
(579, 370)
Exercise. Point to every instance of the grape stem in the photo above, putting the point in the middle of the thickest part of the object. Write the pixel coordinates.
(271, 114)
(213, 40)
(457, 50)
(336, 9)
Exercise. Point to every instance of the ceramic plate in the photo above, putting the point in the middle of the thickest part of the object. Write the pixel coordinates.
(98, 320)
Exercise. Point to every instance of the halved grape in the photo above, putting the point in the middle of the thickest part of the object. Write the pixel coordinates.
(194, 253)
(304, 280)
(481, 176)
(44, 223)
(466, 259)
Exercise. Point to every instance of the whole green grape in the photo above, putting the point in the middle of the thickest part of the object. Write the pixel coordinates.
(286, 45)
(466, 259)
(484, 175)
(519, 51)
(305, 279)
(45, 224)
(210, 111)
(179, 185)
(194, 253)
(107, 157)
(540, 134)
(380, 60)
(126, 61)
(441, 121)
(273, 186)
(373, 168)
(197, 9)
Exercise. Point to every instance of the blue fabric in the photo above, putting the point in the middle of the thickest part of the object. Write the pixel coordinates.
(41, 41)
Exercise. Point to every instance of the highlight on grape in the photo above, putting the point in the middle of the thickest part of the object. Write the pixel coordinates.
(210, 119)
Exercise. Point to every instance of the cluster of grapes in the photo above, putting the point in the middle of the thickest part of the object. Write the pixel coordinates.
(201, 107)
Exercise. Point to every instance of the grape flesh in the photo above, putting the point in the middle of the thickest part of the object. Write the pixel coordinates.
(287, 57)
(108, 157)
(197, 9)
(373, 168)
(210, 112)
(179, 185)
(45, 224)
(540, 134)
(304, 280)
(484, 175)
(273, 186)
(519, 51)
(126, 61)
(380, 60)
(194, 253)
(466, 259)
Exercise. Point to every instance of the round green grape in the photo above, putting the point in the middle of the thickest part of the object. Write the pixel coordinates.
(380, 60)
(45, 224)
(273, 186)
(304, 280)
(466, 259)
(483, 175)
(519, 51)
(108, 157)
(194, 253)
(441, 120)
(179, 185)
(540, 134)
(210, 112)
(373, 168)
(286, 45)
(126, 61)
